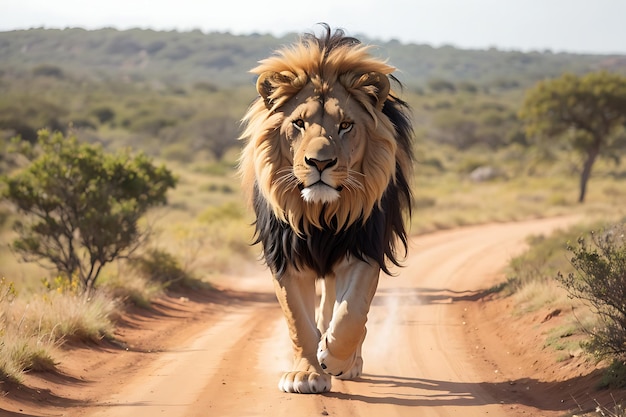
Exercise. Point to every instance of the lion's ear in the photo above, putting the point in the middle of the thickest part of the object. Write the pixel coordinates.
(378, 84)
(268, 82)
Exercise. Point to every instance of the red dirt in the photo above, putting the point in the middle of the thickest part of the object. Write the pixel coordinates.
(436, 346)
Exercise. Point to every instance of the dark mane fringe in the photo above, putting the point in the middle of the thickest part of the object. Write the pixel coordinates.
(377, 238)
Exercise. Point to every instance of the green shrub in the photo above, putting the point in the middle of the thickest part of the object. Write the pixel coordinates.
(600, 280)
(614, 376)
(160, 266)
(47, 70)
(440, 85)
(104, 114)
(82, 206)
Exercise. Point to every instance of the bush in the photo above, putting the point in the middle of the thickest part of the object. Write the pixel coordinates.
(439, 85)
(600, 280)
(82, 206)
(104, 114)
(47, 70)
(615, 375)
(160, 266)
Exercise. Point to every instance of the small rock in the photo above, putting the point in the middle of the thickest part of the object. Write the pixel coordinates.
(485, 173)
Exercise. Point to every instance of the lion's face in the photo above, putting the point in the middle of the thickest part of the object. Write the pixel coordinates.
(320, 149)
(318, 133)
(324, 144)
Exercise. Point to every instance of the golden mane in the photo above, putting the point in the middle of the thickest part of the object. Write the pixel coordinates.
(321, 63)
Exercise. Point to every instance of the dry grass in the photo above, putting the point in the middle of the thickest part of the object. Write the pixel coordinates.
(536, 295)
(35, 325)
(130, 288)
(446, 197)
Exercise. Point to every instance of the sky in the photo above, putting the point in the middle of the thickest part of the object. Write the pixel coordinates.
(578, 26)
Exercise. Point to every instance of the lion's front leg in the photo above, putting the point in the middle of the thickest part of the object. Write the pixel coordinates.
(296, 294)
(339, 351)
(327, 304)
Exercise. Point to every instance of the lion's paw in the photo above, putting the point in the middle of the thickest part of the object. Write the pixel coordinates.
(304, 382)
(355, 371)
(340, 368)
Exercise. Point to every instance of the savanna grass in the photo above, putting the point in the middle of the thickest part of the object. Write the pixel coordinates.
(33, 326)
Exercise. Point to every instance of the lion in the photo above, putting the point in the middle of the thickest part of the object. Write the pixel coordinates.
(326, 164)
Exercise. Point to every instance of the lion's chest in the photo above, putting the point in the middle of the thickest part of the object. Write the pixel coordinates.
(320, 249)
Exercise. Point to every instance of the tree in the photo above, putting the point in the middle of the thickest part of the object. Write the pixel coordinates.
(589, 111)
(82, 205)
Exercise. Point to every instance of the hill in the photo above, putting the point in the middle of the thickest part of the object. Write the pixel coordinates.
(224, 59)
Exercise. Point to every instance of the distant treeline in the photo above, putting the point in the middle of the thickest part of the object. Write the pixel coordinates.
(223, 59)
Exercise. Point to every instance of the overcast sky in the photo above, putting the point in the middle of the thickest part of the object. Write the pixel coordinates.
(587, 26)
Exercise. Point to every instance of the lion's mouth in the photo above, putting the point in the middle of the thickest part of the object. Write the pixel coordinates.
(319, 192)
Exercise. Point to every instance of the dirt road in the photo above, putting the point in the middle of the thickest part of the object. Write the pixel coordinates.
(417, 357)
(427, 353)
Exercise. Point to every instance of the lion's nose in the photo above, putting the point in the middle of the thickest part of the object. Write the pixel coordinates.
(320, 165)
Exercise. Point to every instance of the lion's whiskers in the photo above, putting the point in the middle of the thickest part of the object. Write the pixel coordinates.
(351, 183)
(286, 178)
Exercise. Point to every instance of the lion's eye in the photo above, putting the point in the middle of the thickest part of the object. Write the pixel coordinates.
(345, 127)
(299, 123)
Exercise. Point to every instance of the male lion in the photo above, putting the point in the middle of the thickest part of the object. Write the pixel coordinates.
(326, 163)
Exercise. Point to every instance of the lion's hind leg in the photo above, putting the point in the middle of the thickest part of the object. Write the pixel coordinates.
(339, 350)
(296, 294)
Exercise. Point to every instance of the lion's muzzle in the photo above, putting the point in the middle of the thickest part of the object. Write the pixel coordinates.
(321, 179)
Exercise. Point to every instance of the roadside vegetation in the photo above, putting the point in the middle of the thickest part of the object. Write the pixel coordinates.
(483, 155)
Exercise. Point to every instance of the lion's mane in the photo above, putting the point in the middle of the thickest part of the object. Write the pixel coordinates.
(366, 221)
